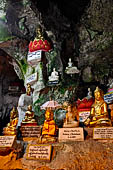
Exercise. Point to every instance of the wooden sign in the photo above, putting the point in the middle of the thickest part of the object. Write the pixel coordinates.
(103, 133)
(32, 78)
(7, 141)
(108, 97)
(40, 152)
(34, 57)
(71, 134)
(83, 115)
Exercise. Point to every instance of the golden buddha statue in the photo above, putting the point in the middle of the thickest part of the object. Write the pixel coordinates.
(70, 117)
(29, 115)
(29, 89)
(99, 114)
(49, 128)
(39, 34)
(10, 129)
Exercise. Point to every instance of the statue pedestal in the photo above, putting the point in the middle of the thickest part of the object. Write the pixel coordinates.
(30, 130)
(71, 125)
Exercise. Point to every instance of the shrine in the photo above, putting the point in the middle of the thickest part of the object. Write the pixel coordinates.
(56, 85)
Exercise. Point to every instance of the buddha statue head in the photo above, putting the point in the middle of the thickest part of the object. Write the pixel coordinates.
(13, 113)
(49, 115)
(98, 94)
(29, 108)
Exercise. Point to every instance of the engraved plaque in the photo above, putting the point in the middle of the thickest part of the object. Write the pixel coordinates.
(71, 134)
(34, 57)
(7, 141)
(30, 131)
(103, 133)
(32, 78)
(40, 152)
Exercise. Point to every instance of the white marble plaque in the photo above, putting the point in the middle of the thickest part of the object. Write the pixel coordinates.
(7, 141)
(32, 78)
(83, 115)
(40, 152)
(71, 134)
(34, 57)
(103, 133)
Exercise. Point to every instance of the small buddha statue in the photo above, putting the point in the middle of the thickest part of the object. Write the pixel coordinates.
(70, 63)
(29, 89)
(39, 34)
(10, 129)
(49, 128)
(70, 118)
(54, 76)
(29, 115)
(89, 95)
(99, 113)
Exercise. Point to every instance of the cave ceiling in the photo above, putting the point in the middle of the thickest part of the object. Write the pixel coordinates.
(80, 29)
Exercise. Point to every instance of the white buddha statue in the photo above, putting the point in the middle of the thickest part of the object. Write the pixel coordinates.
(54, 76)
(89, 94)
(71, 69)
(70, 63)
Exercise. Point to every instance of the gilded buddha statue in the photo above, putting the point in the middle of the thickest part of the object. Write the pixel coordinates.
(99, 114)
(29, 89)
(10, 129)
(71, 115)
(49, 128)
(29, 116)
(39, 34)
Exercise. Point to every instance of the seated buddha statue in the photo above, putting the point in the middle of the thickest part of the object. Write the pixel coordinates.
(39, 34)
(70, 64)
(49, 128)
(29, 89)
(10, 129)
(54, 76)
(99, 114)
(70, 118)
(29, 116)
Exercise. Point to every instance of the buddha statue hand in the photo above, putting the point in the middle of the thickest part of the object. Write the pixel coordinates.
(87, 122)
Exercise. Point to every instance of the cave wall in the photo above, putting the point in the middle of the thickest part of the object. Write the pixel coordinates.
(80, 30)
(8, 81)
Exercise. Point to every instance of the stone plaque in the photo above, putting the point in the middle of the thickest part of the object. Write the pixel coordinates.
(30, 131)
(71, 134)
(108, 97)
(32, 78)
(13, 88)
(103, 133)
(34, 57)
(83, 115)
(7, 141)
(40, 152)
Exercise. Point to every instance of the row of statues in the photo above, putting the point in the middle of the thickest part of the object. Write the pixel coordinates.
(99, 117)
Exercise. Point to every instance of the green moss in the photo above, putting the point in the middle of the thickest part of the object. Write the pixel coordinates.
(4, 34)
(38, 112)
(23, 66)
